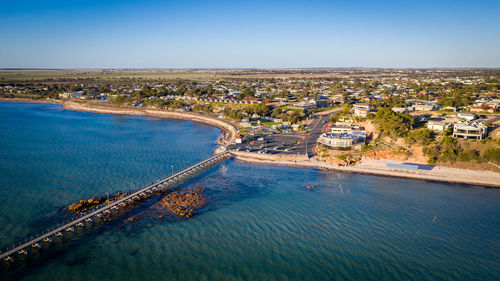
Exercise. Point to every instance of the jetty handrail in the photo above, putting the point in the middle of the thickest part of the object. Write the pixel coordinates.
(107, 207)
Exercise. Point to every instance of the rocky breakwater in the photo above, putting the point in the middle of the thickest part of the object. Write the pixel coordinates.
(83, 206)
(183, 203)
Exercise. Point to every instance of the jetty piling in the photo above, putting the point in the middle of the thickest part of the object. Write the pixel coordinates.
(57, 231)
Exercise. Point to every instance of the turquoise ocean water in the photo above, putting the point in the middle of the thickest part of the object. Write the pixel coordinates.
(260, 223)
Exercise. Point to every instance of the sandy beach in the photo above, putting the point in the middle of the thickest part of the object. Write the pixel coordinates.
(228, 130)
(366, 166)
(378, 167)
(31, 100)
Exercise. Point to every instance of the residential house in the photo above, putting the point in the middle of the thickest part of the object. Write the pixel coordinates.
(470, 130)
(467, 116)
(400, 109)
(438, 125)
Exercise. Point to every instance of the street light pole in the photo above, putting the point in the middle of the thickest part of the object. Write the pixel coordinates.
(306, 148)
(172, 166)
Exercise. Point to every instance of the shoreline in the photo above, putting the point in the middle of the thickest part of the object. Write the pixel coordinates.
(228, 133)
(378, 168)
(31, 100)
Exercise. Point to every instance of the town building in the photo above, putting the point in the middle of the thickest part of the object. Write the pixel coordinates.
(466, 116)
(272, 119)
(361, 110)
(343, 137)
(485, 107)
(470, 130)
(438, 125)
(344, 129)
(400, 109)
(450, 108)
(71, 95)
(425, 107)
(310, 104)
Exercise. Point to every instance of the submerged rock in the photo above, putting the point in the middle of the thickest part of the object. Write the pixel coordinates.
(184, 202)
(85, 204)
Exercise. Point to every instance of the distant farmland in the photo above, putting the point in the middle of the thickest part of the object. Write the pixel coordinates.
(137, 75)
(101, 75)
(56, 75)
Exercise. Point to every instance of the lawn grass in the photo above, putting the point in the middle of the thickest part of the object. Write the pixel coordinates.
(292, 109)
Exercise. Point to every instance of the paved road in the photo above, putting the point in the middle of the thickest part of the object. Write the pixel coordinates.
(316, 129)
(288, 143)
(492, 118)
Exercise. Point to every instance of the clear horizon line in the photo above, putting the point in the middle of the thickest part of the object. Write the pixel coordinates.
(241, 68)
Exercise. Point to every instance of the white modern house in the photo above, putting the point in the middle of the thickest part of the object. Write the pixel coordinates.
(470, 130)
(466, 116)
(425, 107)
(361, 110)
(400, 109)
(438, 125)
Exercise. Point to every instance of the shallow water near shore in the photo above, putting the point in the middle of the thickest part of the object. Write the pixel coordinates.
(260, 222)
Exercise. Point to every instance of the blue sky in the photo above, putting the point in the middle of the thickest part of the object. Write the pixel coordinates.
(236, 34)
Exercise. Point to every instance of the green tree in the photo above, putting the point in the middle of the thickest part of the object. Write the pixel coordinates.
(260, 108)
(468, 155)
(293, 117)
(492, 154)
(421, 136)
(276, 112)
(432, 152)
(393, 124)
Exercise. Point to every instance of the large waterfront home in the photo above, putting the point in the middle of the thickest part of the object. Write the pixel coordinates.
(470, 130)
